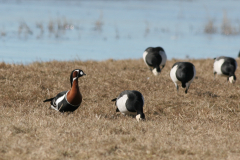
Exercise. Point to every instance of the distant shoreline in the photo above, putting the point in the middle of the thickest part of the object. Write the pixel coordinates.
(110, 59)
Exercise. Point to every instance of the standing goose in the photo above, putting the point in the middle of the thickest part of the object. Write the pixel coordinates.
(183, 72)
(68, 100)
(154, 58)
(130, 102)
(225, 66)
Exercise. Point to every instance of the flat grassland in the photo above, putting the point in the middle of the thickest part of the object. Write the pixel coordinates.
(203, 124)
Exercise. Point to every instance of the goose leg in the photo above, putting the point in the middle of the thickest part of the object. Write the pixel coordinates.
(176, 86)
(186, 90)
(187, 86)
(214, 74)
(163, 66)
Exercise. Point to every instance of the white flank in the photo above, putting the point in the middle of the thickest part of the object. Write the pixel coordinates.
(121, 104)
(155, 72)
(217, 66)
(173, 74)
(144, 57)
(54, 108)
(164, 58)
(59, 99)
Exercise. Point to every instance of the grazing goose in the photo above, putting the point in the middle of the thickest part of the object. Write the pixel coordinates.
(183, 72)
(68, 100)
(154, 58)
(225, 66)
(130, 102)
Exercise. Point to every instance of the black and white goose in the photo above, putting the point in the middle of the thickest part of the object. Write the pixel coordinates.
(68, 101)
(130, 102)
(184, 73)
(225, 66)
(154, 59)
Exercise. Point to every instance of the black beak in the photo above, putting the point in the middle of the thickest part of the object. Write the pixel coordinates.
(80, 75)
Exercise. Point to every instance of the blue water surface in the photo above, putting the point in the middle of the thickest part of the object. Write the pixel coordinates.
(121, 29)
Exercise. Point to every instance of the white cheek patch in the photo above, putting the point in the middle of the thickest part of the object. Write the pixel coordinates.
(81, 73)
(138, 117)
(155, 72)
(231, 79)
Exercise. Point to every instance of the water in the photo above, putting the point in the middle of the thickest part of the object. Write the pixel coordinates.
(99, 30)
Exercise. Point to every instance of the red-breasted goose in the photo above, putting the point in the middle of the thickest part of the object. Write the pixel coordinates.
(68, 101)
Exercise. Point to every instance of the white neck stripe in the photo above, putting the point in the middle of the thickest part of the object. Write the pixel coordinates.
(75, 78)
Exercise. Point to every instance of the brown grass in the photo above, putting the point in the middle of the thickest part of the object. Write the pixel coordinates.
(203, 124)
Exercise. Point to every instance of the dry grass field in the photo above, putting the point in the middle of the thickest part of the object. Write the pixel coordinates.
(203, 124)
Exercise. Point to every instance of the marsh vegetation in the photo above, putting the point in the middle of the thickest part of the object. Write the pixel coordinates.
(226, 28)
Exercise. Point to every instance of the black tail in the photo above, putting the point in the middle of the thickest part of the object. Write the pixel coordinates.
(47, 100)
(114, 99)
(117, 110)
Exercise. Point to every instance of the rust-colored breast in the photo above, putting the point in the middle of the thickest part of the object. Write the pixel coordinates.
(74, 96)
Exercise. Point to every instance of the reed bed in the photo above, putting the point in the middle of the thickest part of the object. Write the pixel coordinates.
(203, 124)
